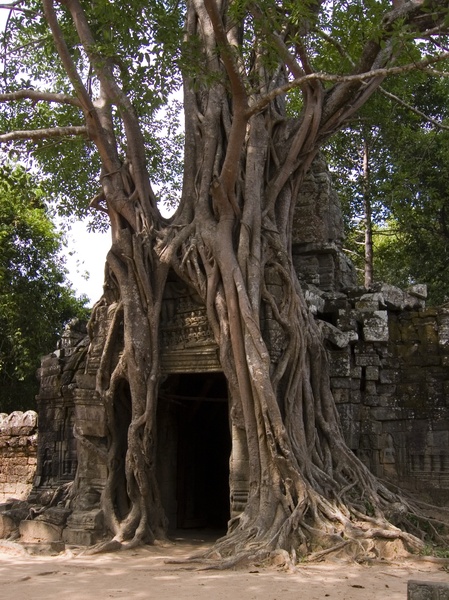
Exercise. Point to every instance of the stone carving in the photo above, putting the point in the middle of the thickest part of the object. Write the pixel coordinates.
(187, 342)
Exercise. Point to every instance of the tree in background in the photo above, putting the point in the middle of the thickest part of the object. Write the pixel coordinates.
(392, 162)
(99, 73)
(35, 297)
(416, 196)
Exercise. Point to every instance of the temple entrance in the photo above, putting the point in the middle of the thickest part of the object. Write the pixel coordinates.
(194, 446)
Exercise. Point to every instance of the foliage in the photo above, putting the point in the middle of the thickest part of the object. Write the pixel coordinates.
(143, 43)
(408, 183)
(35, 298)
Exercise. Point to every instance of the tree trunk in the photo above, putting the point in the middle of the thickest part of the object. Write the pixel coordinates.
(230, 241)
(369, 271)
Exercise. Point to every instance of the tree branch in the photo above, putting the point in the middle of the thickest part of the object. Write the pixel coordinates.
(226, 51)
(103, 69)
(413, 109)
(37, 96)
(107, 153)
(13, 6)
(42, 134)
(383, 72)
(231, 163)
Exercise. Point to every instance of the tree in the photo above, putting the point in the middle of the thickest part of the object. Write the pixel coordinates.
(403, 135)
(35, 297)
(415, 195)
(245, 159)
(354, 154)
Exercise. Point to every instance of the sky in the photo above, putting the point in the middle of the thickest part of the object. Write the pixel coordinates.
(85, 256)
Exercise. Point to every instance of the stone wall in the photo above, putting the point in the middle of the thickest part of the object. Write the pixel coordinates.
(317, 233)
(389, 358)
(18, 454)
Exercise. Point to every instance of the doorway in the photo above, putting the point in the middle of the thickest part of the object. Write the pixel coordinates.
(194, 446)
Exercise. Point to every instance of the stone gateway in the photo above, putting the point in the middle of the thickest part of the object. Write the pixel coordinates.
(389, 358)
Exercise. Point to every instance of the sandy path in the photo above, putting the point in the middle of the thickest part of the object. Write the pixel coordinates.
(144, 573)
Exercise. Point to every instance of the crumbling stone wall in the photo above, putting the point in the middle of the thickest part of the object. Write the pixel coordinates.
(389, 357)
(57, 455)
(318, 233)
(18, 454)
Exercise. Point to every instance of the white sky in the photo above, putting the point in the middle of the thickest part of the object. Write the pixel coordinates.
(85, 258)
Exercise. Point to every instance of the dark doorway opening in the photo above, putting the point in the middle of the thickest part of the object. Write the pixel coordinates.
(194, 449)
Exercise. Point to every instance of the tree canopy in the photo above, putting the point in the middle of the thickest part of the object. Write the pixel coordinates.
(35, 297)
(265, 85)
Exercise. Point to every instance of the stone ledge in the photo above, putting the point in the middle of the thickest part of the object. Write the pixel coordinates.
(427, 590)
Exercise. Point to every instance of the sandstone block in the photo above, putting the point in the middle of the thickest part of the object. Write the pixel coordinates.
(375, 327)
(39, 531)
(340, 365)
(372, 373)
(7, 526)
(370, 302)
(88, 520)
(341, 396)
(419, 290)
(364, 360)
(81, 537)
(338, 338)
(54, 515)
(427, 590)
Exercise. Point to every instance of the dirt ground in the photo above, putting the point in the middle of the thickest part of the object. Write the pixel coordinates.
(145, 573)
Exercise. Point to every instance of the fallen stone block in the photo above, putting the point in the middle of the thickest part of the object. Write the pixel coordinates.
(39, 531)
(44, 548)
(7, 526)
(427, 590)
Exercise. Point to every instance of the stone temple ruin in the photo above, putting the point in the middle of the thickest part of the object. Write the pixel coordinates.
(389, 358)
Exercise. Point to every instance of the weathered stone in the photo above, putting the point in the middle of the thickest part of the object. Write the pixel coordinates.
(342, 395)
(443, 330)
(375, 327)
(81, 537)
(419, 290)
(388, 376)
(18, 448)
(394, 297)
(370, 302)
(364, 360)
(338, 338)
(55, 514)
(87, 520)
(340, 365)
(7, 525)
(45, 548)
(372, 373)
(427, 590)
(315, 301)
(39, 531)
(90, 420)
(341, 383)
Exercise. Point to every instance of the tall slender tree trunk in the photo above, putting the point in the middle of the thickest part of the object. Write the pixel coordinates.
(369, 258)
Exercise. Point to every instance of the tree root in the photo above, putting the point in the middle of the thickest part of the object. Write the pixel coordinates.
(103, 547)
